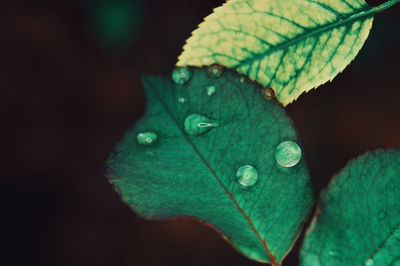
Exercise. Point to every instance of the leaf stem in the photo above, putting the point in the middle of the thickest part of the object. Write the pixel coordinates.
(385, 6)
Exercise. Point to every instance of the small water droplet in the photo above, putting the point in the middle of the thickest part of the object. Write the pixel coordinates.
(181, 100)
(268, 93)
(211, 90)
(334, 253)
(197, 124)
(369, 262)
(242, 79)
(215, 71)
(181, 75)
(147, 138)
(247, 175)
(288, 154)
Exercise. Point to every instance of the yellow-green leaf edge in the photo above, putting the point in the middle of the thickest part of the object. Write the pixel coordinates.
(291, 46)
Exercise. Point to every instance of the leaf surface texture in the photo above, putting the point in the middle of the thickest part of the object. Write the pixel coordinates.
(291, 46)
(358, 221)
(195, 175)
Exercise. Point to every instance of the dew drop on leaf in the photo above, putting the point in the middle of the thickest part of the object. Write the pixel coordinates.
(181, 75)
(211, 90)
(268, 93)
(197, 124)
(242, 79)
(147, 138)
(181, 100)
(332, 253)
(288, 154)
(215, 71)
(247, 175)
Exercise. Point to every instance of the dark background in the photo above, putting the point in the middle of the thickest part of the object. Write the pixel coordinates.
(69, 77)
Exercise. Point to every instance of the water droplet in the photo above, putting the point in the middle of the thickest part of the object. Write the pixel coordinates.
(247, 175)
(181, 75)
(215, 71)
(334, 253)
(268, 93)
(197, 124)
(181, 100)
(242, 79)
(211, 90)
(288, 154)
(369, 262)
(147, 138)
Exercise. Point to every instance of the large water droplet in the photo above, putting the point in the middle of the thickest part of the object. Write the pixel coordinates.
(197, 124)
(288, 154)
(211, 90)
(268, 93)
(247, 175)
(181, 75)
(215, 71)
(147, 138)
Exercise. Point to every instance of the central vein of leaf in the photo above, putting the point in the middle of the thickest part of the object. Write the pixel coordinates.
(263, 241)
(357, 15)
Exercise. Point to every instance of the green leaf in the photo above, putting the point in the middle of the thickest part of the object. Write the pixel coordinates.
(358, 219)
(192, 169)
(291, 46)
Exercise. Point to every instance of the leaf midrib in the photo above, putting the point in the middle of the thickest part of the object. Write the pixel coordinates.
(351, 17)
(263, 241)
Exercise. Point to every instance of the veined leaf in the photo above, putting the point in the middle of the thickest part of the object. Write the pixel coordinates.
(202, 138)
(291, 46)
(358, 220)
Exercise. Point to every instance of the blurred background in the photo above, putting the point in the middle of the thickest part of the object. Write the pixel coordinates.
(70, 87)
